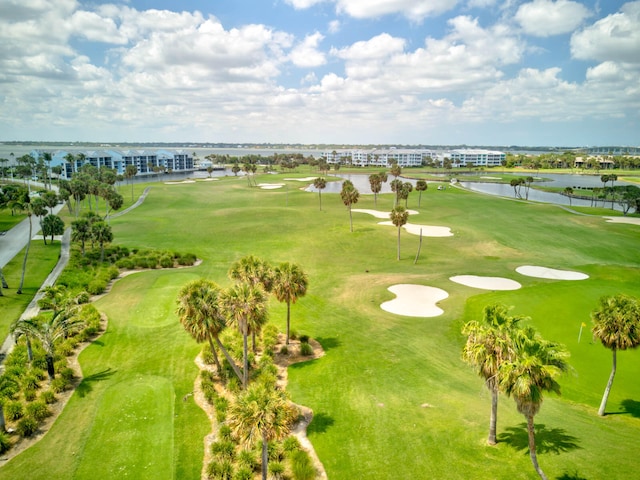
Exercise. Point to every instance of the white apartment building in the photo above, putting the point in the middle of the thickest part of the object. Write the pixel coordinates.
(379, 157)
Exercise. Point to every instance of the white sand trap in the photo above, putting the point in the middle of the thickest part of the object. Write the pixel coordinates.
(629, 220)
(551, 273)
(492, 178)
(305, 179)
(415, 300)
(379, 213)
(208, 179)
(427, 230)
(178, 183)
(486, 283)
(270, 186)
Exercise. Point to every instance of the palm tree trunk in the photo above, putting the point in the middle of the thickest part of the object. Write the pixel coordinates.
(245, 356)
(493, 421)
(605, 397)
(29, 350)
(3, 423)
(2, 279)
(532, 447)
(350, 219)
(215, 355)
(398, 242)
(50, 368)
(320, 197)
(265, 457)
(24, 262)
(288, 318)
(235, 368)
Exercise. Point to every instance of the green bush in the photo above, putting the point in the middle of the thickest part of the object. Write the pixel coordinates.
(5, 442)
(29, 395)
(276, 469)
(96, 287)
(221, 404)
(38, 410)
(274, 451)
(291, 444)
(220, 470)
(243, 473)
(301, 466)
(223, 450)
(83, 298)
(27, 426)
(48, 397)
(186, 259)
(304, 338)
(29, 382)
(166, 261)
(306, 349)
(284, 350)
(67, 373)
(13, 410)
(248, 459)
(224, 433)
(59, 384)
(126, 264)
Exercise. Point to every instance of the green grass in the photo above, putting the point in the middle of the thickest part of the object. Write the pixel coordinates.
(391, 397)
(41, 260)
(8, 221)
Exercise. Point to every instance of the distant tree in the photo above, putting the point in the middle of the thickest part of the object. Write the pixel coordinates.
(81, 232)
(396, 187)
(376, 186)
(405, 190)
(320, 183)
(25, 206)
(39, 209)
(399, 217)
(102, 234)
(52, 225)
(290, 283)
(421, 186)
(616, 323)
(568, 191)
(349, 195)
(130, 171)
(396, 170)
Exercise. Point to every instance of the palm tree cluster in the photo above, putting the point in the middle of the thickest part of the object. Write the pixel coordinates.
(91, 181)
(516, 361)
(206, 310)
(375, 181)
(91, 228)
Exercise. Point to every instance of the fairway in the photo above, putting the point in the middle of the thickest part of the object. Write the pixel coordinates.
(392, 398)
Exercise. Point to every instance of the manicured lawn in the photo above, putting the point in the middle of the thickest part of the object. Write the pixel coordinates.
(391, 397)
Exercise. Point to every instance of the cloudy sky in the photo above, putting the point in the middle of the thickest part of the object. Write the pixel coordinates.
(477, 72)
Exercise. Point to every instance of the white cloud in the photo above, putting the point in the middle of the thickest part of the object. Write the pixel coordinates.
(615, 37)
(334, 26)
(94, 27)
(544, 18)
(301, 4)
(415, 10)
(378, 47)
(306, 53)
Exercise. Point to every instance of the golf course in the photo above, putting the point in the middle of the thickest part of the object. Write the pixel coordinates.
(392, 397)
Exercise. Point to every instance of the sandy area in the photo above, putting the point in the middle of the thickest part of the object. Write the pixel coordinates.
(305, 179)
(208, 179)
(270, 186)
(178, 183)
(492, 178)
(427, 230)
(551, 273)
(415, 300)
(486, 283)
(379, 213)
(629, 220)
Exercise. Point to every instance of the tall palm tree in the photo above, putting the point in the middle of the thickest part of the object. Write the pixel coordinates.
(253, 270)
(320, 183)
(289, 285)
(421, 186)
(261, 413)
(617, 324)
(27, 208)
(244, 304)
(488, 345)
(396, 187)
(102, 234)
(81, 232)
(201, 316)
(130, 171)
(376, 186)
(395, 170)
(350, 196)
(528, 374)
(399, 217)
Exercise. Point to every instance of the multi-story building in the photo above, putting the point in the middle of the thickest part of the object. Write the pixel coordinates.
(145, 161)
(475, 158)
(379, 157)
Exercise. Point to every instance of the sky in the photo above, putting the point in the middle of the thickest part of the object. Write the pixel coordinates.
(394, 72)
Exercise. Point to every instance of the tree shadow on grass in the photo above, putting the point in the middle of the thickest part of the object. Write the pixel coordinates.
(548, 440)
(628, 406)
(571, 476)
(328, 343)
(320, 423)
(85, 385)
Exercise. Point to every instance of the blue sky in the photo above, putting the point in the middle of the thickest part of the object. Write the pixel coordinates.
(476, 72)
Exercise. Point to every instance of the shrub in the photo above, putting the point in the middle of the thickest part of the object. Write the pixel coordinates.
(284, 350)
(276, 469)
(225, 432)
(126, 264)
(29, 395)
(247, 459)
(301, 466)
(29, 382)
(59, 384)
(220, 470)
(186, 259)
(38, 411)
(221, 404)
(13, 410)
(67, 373)
(166, 261)
(48, 397)
(233, 385)
(293, 334)
(96, 286)
(306, 349)
(291, 444)
(223, 450)
(5, 442)
(83, 298)
(27, 427)
(304, 338)
(274, 451)
(243, 473)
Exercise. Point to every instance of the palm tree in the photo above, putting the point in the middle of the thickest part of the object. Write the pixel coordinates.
(27, 208)
(399, 217)
(396, 187)
(244, 304)
(488, 345)
(40, 210)
(81, 232)
(528, 374)
(612, 178)
(568, 191)
(101, 233)
(253, 270)
(52, 225)
(376, 186)
(320, 183)
(350, 196)
(130, 171)
(421, 186)
(405, 190)
(261, 413)
(395, 170)
(48, 331)
(617, 324)
(201, 316)
(289, 285)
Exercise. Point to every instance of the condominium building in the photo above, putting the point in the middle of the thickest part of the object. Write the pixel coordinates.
(145, 161)
(379, 157)
(475, 158)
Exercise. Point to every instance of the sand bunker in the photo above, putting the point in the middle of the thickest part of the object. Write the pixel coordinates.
(415, 300)
(629, 220)
(208, 179)
(492, 178)
(178, 183)
(305, 179)
(270, 186)
(427, 230)
(551, 273)
(486, 283)
(379, 213)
